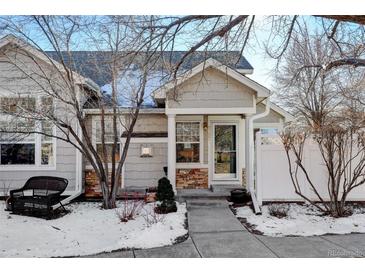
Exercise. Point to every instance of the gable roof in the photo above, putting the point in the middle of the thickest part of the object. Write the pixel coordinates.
(13, 40)
(94, 64)
(262, 91)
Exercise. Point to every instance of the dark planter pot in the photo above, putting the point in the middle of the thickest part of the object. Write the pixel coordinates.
(239, 196)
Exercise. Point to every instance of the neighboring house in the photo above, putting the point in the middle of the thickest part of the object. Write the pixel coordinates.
(201, 127)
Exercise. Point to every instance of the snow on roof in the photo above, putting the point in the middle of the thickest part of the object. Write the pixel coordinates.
(129, 84)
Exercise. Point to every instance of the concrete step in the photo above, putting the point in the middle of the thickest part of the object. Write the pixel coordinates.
(207, 203)
(184, 194)
(215, 192)
(225, 189)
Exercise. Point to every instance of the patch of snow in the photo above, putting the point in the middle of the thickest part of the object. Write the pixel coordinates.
(129, 82)
(86, 230)
(302, 220)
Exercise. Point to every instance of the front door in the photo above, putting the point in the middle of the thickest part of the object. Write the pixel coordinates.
(225, 151)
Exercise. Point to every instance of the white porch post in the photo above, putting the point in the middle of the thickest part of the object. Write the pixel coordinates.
(171, 150)
(249, 153)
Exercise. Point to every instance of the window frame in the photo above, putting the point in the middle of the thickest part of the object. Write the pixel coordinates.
(37, 166)
(191, 119)
(95, 120)
(219, 176)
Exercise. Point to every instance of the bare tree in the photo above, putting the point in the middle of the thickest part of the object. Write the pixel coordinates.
(129, 70)
(342, 148)
(306, 90)
(227, 32)
(127, 38)
(330, 119)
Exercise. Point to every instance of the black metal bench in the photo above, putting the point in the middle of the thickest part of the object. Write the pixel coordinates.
(37, 196)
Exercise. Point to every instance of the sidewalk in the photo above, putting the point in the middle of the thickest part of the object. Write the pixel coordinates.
(216, 233)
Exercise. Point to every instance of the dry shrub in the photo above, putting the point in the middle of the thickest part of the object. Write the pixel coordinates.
(152, 217)
(129, 210)
(279, 210)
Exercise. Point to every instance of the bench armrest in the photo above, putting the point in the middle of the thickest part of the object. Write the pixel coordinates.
(14, 191)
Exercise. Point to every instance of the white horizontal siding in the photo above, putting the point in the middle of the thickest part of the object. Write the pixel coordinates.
(145, 171)
(213, 89)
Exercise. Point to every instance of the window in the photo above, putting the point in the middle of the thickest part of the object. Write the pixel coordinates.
(187, 142)
(18, 145)
(12, 105)
(17, 154)
(109, 139)
(47, 127)
(17, 148)
(47, 144)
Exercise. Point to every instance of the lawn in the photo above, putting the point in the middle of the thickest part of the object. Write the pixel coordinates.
(301, 220)
(86, 230)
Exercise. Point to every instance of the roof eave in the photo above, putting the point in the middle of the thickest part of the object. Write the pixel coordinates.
(245, 71)
(262, 91)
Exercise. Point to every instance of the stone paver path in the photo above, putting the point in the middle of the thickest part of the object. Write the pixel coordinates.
(216, 233)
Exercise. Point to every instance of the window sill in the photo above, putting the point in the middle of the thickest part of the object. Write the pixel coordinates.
(26, 168)
(191, 165)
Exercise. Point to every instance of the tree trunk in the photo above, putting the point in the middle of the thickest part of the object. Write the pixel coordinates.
(109, 198)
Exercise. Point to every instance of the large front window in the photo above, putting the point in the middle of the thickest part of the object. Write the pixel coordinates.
(17, 154)
(19, 145)
(187, 142)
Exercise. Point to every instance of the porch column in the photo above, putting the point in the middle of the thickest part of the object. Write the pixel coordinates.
(249, 164)
(171, 150)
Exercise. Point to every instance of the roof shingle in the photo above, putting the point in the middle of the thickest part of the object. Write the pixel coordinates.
(95, 64)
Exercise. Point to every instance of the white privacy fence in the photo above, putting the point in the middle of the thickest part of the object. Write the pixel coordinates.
(273, 181)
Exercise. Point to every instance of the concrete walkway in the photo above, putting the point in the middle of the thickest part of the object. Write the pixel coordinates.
(216, 233)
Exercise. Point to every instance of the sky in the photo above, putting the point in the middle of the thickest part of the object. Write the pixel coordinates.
(254, 51)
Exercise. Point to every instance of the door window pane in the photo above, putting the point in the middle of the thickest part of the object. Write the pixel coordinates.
(225, 149)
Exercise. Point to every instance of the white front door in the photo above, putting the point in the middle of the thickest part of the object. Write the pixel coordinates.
(225, 154)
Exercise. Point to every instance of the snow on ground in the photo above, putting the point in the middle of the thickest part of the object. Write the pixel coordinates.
(302, 220)
(86, 230)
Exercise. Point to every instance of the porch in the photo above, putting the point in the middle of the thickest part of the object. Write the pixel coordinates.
(207, 153)
(214, 192)
(211, 112)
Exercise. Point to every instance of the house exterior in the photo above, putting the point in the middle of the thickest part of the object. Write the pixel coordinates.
(201, 127)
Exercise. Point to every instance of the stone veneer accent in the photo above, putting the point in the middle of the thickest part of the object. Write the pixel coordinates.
(92, 186)
(191, 178)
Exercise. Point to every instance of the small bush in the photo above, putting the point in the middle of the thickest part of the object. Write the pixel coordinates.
(152, 217)
(165, 197)
(129, 210)
(278, 210)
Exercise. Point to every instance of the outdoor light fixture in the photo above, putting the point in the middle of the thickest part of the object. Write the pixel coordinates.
(205, 126)
(146, 151)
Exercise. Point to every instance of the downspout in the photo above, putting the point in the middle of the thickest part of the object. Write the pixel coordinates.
(250, 156)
